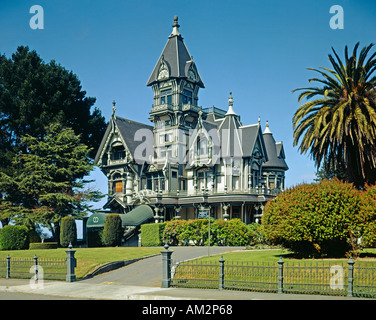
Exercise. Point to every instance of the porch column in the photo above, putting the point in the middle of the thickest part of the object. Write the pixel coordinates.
(129, 187)
(177, 211)
(226, 215)
(156, 217)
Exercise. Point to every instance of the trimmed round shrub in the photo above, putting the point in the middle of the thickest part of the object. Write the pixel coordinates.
(68, 231)
(14, 238)
(112, 231)
(316, 219)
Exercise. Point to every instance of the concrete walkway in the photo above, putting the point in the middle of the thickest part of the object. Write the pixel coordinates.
(85, 290)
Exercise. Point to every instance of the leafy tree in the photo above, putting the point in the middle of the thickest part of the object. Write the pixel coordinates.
(48, 180)
(34, 94)
(340, 122)
(112, 231)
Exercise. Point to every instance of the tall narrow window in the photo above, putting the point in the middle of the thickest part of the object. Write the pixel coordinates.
(187, 97)
(166, 96)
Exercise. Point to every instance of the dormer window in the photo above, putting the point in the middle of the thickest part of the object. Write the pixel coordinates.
(117, 152)
(202, 146)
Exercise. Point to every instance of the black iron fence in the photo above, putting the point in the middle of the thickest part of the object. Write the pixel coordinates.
(340, 278)
(40, 268)
(48, 269)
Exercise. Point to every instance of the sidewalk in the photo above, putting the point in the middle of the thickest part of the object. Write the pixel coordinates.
(105, 291)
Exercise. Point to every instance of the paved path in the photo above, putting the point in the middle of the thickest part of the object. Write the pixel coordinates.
(148, 272)
(20, 289)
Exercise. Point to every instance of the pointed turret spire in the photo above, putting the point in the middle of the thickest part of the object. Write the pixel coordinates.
(230, 104)
(175, 61)
(267, 130)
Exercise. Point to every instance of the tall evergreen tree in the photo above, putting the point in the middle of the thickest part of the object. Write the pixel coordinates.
(34, 94)
(48, 180)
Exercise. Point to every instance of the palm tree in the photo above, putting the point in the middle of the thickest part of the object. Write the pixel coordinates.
(339, 124)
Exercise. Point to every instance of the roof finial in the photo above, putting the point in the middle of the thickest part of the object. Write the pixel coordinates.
(175, 26)
(230, 104)
(259, 120)
(113, 107)
(230, 100)
(267, 130)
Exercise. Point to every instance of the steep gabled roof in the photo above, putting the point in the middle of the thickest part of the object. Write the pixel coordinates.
(176, 57)
(276, 155)
(252, 137)
(127, 129)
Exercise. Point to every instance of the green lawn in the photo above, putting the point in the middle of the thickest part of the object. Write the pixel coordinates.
(87, 258)
(258, 270)
(273, 255)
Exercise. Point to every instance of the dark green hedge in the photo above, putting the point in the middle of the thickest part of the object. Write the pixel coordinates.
(152, 234)
(14, 238)
(112, 231)
(45, 245)
(68, 231)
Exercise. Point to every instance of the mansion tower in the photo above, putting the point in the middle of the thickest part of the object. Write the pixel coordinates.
(190, 161)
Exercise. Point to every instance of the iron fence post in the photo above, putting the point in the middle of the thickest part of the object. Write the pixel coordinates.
(36, 267)
(71, 264)
(280, 275)
(221, 273)
(351, 263)
(8, 267)
(166, 266)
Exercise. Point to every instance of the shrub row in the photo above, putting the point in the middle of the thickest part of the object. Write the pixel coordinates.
(196, 232)
(322, 219)
(152, 234)
(44, 245)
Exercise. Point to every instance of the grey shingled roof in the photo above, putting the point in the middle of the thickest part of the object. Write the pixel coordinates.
(276, 157)
(231, 139)
(249, 137)
(175, 54)
(128, 129)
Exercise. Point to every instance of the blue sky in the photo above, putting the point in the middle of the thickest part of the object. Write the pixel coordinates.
(259, 50)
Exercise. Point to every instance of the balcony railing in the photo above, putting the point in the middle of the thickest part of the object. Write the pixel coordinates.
(209, 193)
